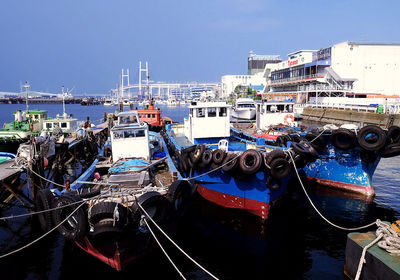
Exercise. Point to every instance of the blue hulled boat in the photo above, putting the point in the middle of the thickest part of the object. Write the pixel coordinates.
(231, 172)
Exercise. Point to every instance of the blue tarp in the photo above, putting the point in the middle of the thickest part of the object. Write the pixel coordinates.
(128, 165)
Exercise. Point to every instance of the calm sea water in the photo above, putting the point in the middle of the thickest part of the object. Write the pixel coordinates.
(294, 243)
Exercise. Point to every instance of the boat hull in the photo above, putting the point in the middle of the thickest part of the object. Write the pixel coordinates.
(245, 114)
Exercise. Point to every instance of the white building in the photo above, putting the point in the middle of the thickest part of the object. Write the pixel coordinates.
(230, 82)
(345, 69)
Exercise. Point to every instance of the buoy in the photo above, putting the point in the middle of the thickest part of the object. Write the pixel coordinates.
(45, 162)
(96, 175)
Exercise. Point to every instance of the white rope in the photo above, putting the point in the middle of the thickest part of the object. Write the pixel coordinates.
(318, 135)
(176, 245)
(315, 208)
(40, 176)
(159, 244)
(44, 235)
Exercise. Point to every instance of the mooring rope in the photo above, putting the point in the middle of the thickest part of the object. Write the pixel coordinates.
(159, 244)
(176, 245)
(44, 235)
(315, 208)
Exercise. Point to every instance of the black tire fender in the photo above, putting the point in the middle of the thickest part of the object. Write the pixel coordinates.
(391, 150)
(250, 161)
(230, 163)
(343, 139)
(207, 157)
(75, 227)
(218, 156)
(280, 168)
(371, 138)
(43, 201)
(105, 210)
(180, 196)
(393, 134)
(196, 155)
(316, 140)
(269, 157)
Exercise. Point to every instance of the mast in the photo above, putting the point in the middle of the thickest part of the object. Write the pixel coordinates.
(26, 86)
(63, 99)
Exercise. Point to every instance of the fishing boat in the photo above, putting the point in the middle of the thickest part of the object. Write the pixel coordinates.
(244, 109)
(348, 156)
(230, 171)
(108, 102)
(25, 124)
(139, 182)
(152, 116)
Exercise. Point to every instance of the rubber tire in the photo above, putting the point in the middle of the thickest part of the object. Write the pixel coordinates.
(318, 141)
(231, 166)
(368, 156)
(105, 210)
(105, 230)
(343, 139)
(65, 229)
(273, 155)
(196, 155)
(393, 134)
(180, 196)
(207, 157)
(378, 144)
(280, 168)
(250, 161)
(218, 156)
(391, 150)
(43, 201)
(280, 141)
(183, 163)
(300, 149)
(164, 209)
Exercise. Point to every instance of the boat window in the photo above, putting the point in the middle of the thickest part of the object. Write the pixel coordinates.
(49, 125)
(118, 134)
(200, 112)
(64, 125)
(153, 115)
(222, 112)
(140, 133)
(129, 134)
(212, 112)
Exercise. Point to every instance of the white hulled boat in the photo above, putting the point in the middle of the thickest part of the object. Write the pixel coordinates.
(244, 108)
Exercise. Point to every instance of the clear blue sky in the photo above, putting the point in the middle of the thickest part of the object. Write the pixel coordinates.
(85, 43)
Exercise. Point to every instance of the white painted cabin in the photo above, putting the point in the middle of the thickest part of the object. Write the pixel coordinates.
(67, 124)
(130, 137)
(273, 113)
(207, 120)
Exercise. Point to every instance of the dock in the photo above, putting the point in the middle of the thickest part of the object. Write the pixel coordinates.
(10, 187)
(379, 264)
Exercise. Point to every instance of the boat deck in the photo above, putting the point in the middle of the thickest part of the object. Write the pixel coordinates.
(182, 140)
(7, 170)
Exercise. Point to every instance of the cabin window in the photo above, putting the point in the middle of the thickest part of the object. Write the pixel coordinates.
(201, 113)
(63, 125)
(140, 133)
(49, 125)
(222, 112)
(129, 134)
(212, 112)
(118, 134)
(153, 115)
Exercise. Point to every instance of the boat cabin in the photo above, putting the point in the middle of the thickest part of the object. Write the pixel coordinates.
(67, 124)
(36, 117)
(130, 137)
(207, 120)
(273, 113)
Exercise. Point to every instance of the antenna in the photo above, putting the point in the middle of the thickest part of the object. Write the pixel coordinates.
(63, 97)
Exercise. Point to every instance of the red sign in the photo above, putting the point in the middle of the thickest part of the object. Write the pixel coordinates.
(293, 62)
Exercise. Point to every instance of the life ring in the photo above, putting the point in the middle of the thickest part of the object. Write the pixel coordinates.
(230, 163)
(371, 138)
(218, 156)
(43, 201)
(250, 161)
(288, 118)
(343, 139)
(280, 168)
(157, 206)
(75, 227)
(180, 194)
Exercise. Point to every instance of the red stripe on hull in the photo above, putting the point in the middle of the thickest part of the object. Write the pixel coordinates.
(364, 190)
(255, 207)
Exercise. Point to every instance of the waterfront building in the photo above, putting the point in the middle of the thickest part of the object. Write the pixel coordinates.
(347, 69)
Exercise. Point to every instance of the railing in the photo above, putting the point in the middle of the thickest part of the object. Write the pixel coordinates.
(298, 78)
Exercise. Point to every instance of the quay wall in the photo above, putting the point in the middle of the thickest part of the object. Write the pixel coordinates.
(342, 116)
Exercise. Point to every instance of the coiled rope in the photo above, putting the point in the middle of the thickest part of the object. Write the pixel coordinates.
(176, 245)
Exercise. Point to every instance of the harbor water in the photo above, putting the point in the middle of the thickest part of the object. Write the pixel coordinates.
(294, 243)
